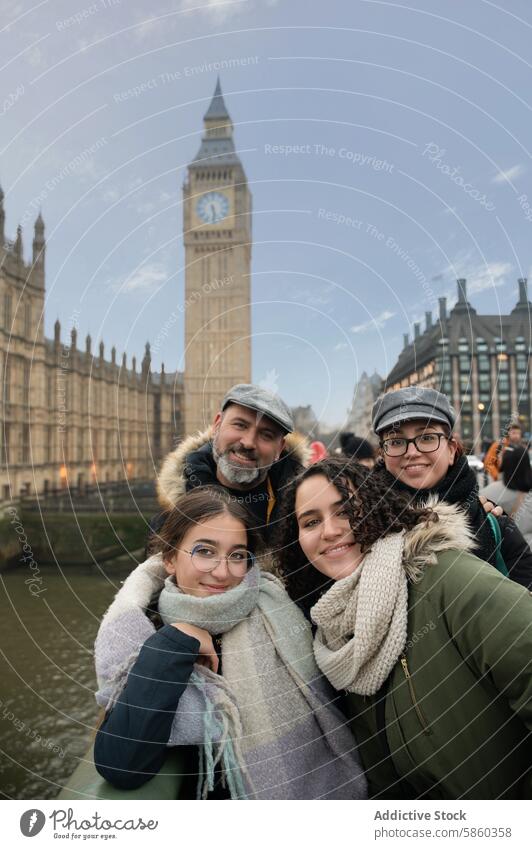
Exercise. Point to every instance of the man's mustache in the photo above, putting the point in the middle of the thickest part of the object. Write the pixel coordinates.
(246, 452)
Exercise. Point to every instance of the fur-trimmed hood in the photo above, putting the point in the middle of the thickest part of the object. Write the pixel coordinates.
(428, 538)
(192, 458)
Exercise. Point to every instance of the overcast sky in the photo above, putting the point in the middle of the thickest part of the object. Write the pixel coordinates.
(386, 146)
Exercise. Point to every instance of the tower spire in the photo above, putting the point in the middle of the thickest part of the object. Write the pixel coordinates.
(217, 109)
(217, 145)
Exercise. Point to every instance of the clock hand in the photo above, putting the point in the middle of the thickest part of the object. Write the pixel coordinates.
(213, 212)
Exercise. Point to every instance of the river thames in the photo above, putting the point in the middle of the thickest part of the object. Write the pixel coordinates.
(47, 706)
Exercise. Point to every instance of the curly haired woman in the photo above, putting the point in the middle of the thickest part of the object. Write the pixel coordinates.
(432, 646)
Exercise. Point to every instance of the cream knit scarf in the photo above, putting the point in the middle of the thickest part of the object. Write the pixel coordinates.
(362, 620)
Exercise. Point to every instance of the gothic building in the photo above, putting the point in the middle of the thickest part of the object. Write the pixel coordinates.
(482, 362)
(70, 417)
(365, 394)
(217, 236)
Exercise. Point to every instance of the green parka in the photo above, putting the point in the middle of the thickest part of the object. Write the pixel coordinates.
(454, 719)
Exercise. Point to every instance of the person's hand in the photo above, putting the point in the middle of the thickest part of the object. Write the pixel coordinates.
(207, 652)
(490, 507)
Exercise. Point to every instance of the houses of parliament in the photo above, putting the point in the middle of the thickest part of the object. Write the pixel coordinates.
(72, 416)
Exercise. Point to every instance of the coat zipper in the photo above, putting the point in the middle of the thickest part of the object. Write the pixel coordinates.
(417, 708)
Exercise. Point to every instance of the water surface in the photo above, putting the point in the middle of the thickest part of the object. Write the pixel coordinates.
(47, 706)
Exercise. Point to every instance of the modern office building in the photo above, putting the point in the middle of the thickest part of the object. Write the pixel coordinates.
(482, 362)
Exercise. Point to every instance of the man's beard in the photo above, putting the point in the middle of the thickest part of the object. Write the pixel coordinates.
(231, 471)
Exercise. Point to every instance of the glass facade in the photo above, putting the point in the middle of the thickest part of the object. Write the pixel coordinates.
(502, 386)
(485, 398)
(443, 373)
(464, 372)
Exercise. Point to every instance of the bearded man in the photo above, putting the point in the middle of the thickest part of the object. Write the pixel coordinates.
(250, 449)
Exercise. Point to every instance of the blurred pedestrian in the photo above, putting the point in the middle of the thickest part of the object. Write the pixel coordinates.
(512, 493)
(357, 449)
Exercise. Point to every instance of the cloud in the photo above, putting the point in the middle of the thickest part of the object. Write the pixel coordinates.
(341, 346)
(374, 324)
(509, 175)
(146, 277)
(222, 10)
(480, 276)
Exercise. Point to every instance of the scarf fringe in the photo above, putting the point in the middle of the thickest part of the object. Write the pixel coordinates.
(226, 751)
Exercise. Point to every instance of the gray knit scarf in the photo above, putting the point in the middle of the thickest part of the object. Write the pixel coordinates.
(268, 719)
(362, 620)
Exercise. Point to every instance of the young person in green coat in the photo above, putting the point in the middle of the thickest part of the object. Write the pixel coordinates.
(432, 646)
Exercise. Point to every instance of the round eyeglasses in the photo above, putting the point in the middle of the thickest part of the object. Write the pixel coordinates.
(425, 443)
(206, 558)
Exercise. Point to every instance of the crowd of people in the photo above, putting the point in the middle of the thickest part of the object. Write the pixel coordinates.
(345, 626)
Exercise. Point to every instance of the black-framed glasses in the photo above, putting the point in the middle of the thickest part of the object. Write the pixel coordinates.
(425, 443)
(206, 558)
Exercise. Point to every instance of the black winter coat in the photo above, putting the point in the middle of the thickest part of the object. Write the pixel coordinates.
(192, 464)
(131, 744)
(460, 487)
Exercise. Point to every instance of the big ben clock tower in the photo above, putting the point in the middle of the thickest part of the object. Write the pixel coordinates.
(217, 236)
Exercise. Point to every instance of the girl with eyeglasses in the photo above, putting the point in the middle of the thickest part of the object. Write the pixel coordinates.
(203, 652)
(423, 458)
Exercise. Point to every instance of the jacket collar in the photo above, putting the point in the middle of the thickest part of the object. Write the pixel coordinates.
(427, 539)
(193, 456)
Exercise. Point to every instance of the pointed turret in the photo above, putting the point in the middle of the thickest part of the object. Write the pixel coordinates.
(73, 339)
(146, 360)
(88, 343)
(57, 332)
(39, 248)
(19, 250)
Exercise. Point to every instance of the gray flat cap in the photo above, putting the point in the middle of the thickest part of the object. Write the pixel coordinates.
(256, 398)
(413, 402)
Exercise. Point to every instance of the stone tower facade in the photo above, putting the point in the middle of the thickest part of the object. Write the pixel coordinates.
(217, 238)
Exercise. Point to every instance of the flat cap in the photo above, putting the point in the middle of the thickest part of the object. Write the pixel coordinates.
(259, 399)
(413, 402)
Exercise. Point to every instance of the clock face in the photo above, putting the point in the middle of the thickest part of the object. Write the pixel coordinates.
(212, 207)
